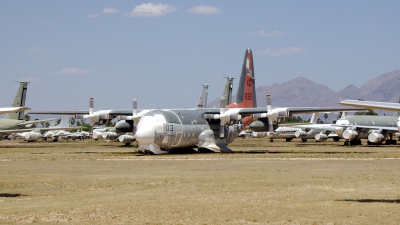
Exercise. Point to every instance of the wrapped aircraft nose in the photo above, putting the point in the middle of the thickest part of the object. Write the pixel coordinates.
(145, 132)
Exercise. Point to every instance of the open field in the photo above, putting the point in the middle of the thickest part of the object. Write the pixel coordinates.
(89, 182)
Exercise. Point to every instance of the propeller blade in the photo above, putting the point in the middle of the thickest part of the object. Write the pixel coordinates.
(134, 113)
(221, 127)
(90, 113)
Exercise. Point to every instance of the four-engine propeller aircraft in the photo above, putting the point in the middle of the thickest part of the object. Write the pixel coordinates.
(162, 130)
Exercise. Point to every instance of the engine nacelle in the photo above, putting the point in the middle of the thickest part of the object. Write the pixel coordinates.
(260, 125)
(32, 136)
(376, 138)
(321, 137)
(97, 135)
(350, 134)
(124, 126)
(126, 138)
(300, 133)
(110, 135)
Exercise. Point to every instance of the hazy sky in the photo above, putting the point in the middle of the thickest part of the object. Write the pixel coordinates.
(160, 52)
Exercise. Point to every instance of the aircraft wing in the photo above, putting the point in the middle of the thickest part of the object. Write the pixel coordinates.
(39, 130)
(307, 127)
(384, 128)
(35, 121)
(60, 112)
(13, 109)
(296, 110)
(241, 111)
(372, 105)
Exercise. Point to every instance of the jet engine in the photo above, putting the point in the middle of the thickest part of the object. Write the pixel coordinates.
(109, 135)
(350, 134)
(300, 133)
(126, 138)
(32, 136)
(321, 137)
(97, 135)
(376, 137)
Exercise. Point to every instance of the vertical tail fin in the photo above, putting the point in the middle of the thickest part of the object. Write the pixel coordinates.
(246, 93)
(314, 118)
(203, 97)
(227, 93)
(19, 101)
(64, 122)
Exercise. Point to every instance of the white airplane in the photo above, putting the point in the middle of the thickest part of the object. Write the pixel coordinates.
(59, 131)
(160, 131)
(287, 133)
(313, 130)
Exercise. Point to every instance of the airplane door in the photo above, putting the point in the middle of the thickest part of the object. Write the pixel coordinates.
(170, 135)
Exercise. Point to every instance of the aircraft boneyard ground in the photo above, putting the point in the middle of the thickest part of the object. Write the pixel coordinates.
(262, 182)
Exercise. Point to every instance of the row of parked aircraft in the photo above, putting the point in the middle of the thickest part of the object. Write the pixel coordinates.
(159, 131)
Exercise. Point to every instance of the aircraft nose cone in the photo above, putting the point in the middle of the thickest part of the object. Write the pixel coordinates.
(146, 130)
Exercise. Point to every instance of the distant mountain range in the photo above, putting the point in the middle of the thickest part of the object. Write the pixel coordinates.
(304, 92)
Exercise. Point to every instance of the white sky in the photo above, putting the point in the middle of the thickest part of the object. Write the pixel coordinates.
(160, 52)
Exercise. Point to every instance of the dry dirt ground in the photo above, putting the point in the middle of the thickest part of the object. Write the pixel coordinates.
(96, 182)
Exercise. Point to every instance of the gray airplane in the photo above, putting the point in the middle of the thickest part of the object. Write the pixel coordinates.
(160, 131)
(14, 119)
(382, 129)
(203, 97)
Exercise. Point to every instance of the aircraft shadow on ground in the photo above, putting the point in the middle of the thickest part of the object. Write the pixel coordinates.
(298, 152)
(369, 200)
(9, 195)
(203, 151)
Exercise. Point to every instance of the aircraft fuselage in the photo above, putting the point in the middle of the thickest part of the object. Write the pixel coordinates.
(8, 124)
(162, 130)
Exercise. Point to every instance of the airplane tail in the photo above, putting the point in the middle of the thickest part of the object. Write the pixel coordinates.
(19, 101)
(314, 118)
(227, 93)
(63, 122)
(203, 97)
(246, 93)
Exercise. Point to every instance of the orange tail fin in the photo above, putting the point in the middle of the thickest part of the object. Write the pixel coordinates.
(246, 94)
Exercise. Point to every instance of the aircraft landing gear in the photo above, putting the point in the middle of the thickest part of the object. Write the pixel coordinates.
(390, 142)
(336, 139)
(352, 142)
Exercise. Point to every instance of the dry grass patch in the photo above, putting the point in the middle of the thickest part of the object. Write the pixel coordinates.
(262, 183)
